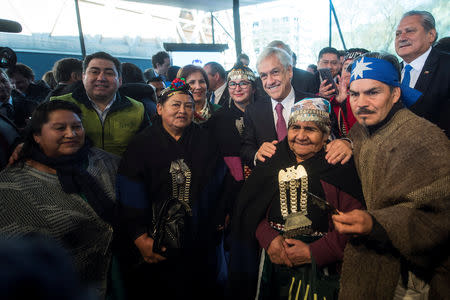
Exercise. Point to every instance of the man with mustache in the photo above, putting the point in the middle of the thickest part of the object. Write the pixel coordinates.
(399, 246)
(265, 120)
(425, 68)
(110, 118)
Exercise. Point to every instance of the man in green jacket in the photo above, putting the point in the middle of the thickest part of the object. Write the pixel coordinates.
(110, 118)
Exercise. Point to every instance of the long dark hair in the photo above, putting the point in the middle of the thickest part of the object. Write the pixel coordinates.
(38, 119)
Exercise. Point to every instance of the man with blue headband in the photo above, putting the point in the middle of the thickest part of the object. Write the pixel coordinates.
(400, 246)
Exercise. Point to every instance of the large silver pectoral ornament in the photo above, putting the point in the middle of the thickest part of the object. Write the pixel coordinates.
(291, 179)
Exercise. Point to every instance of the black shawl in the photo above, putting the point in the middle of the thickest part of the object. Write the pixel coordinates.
(74, 178)
(253, 201)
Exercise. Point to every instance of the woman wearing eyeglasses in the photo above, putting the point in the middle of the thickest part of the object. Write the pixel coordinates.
(228, 123)
(241, 87)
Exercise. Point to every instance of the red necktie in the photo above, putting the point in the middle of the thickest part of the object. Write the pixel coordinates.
(281, 123)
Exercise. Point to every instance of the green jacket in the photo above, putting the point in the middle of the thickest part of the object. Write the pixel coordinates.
(125, 118)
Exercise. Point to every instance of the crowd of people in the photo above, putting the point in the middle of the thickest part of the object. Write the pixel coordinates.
(197, 182)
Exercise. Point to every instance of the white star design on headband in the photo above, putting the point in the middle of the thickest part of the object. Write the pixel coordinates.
(360, 67)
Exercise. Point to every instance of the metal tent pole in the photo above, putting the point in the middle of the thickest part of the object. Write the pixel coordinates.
(237, 27)
(80, 31)
(337, 23)
(329, 29)
(212, 28)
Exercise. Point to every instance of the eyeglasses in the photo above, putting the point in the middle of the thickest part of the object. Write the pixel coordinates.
(243, 84)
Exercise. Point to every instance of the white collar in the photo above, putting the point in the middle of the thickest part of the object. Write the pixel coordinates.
(289, 100)
(107, 106)
(219, 91)
(418, 63)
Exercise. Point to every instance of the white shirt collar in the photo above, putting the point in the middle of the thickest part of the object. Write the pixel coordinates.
(290, 98)
(218, 92)
(287, 103)
(418, 63)
(100, 113)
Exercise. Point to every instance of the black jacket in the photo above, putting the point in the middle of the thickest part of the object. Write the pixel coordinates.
(259, 126)
(434, 83)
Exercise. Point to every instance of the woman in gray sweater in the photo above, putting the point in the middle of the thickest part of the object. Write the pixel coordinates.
(62, 188)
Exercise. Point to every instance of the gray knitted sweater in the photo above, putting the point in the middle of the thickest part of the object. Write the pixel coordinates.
(32, 201)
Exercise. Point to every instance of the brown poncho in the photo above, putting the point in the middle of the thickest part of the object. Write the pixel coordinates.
(404, 169)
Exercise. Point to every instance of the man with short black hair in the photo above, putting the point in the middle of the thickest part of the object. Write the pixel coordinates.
(110, 118)
(67, 72)
(161, 64)
(424, 68)
(400, 246)
(329, 58)
(217, 77)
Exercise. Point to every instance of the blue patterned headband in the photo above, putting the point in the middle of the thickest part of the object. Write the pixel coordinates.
(384, 71)
(311, 109)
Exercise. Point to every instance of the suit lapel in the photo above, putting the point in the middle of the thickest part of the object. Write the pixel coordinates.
(267, 120)
(429, 68)
(224, 99)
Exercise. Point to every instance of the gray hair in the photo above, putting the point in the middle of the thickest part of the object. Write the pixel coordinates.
(428, 22)
(284, 57)
(280, 44)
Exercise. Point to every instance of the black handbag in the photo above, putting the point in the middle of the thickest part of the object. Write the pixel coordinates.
(169, 227)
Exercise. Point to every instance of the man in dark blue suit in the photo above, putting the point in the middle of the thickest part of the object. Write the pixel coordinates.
(265, 120)
(424, 68)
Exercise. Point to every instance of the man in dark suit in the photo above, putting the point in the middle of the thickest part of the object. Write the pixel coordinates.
(265, 120)
(424, 68)
(301, 80)
(217, 77)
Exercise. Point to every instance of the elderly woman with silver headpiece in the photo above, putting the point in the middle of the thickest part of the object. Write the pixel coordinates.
(285, 209)
(169, 185)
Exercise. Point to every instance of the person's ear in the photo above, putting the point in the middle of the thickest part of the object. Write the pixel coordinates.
(159, 108)
(396, 93)
(431, 36)
(37, 139)
(75, 76)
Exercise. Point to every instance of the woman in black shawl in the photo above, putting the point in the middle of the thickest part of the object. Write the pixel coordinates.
(62, 188)
(172, 162)
(282, 210)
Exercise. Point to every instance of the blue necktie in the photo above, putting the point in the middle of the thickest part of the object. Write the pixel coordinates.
(407, 75)
(213, 96)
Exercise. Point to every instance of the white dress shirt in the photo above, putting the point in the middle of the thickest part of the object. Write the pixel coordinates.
(287, 103)
(417, 66)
